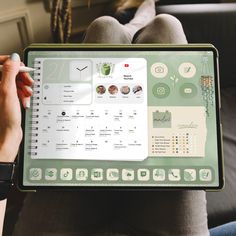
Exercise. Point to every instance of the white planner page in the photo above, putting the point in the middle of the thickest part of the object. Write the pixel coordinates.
(90, 109)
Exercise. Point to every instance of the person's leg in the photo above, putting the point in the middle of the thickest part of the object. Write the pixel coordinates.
(143, 16)
(107, 29)
(228, 229)
(163, 29)
(163, 213)
(181, 213)
(64, 214)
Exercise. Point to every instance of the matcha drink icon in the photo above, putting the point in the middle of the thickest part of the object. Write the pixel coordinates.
(106, 69)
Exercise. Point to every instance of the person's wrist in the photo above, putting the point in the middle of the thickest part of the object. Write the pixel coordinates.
(9, 145)
(6, 178)
(7, 156)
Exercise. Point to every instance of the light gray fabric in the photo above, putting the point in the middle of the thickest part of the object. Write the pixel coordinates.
(163, 29)
(107, 29)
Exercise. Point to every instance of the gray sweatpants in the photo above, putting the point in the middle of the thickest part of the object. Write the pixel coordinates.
(146, 213)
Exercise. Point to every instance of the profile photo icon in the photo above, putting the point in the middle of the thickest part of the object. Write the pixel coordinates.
(125, 90)
(100, 89)
(137, 90)
(113, 90)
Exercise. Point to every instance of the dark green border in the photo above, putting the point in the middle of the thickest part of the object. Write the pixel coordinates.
(130, 47)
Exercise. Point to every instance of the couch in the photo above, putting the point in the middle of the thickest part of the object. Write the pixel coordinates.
(203, 23)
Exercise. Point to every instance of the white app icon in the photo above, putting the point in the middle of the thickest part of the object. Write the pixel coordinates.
(189, 174)
(159, 70)
(128, 174)
(81, 174)
(158, 174)
(205, 175)
(187, 70)
(35, 174)
(112, 174)
(97, 174)
(174, 174)
(66, 174)
(51, 174)
(143, 174)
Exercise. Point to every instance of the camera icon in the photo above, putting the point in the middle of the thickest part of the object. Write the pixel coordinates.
(159, 70)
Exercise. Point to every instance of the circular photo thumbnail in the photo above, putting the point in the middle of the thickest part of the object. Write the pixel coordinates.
(100, 89)
(125, 90)
(137, 90)
(113, 90)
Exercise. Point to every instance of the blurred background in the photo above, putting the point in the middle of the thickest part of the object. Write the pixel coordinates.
(28, 21)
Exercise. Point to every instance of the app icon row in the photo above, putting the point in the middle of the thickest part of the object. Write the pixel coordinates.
(126, 174)
(186, 70)
(186, 90)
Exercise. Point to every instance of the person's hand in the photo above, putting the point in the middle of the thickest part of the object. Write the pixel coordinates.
(13, 85)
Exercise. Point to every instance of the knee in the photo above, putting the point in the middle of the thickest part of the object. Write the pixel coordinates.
(169, 29)
(167, 21)
(106, 29)
(104, 23)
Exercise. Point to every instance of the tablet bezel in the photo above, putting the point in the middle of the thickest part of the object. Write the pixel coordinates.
(133, 47)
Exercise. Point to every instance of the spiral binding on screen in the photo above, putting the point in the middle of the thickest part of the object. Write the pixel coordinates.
(34, 122)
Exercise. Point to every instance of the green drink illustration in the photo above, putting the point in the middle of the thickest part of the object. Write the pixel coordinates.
(106, 69)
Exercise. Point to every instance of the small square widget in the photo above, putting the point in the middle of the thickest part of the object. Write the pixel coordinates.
(143, 174)
(81, 174)
(35, 174)
(174, 175)
(159, 174)
(112, 174)
(205, 175)
(66, 174)
(128, 174)
(190, 175)
(97, 174)
(51, 174)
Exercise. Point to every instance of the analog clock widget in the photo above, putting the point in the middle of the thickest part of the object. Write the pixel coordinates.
(81, 70)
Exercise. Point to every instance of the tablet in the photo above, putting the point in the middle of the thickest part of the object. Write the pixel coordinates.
(122, 116)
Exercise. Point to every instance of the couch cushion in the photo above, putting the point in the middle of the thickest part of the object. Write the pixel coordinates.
(222, 205)
(210, 23)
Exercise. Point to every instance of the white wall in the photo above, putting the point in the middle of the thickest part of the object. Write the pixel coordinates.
(22, 22)
(26, 21)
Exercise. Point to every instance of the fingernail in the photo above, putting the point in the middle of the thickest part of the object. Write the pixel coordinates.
(27, 104)
(15, 57)
(32, 80)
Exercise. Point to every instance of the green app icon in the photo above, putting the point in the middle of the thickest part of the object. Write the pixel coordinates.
(51, 174)
(106, 69)
(161, 90)
(189, 175)
(188, 90)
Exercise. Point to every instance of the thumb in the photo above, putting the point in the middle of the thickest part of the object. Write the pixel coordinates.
(10, 70)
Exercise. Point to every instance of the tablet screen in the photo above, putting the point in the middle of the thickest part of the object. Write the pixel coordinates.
(122, 117)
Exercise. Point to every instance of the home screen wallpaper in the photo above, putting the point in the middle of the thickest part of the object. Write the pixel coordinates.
(121, 118)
